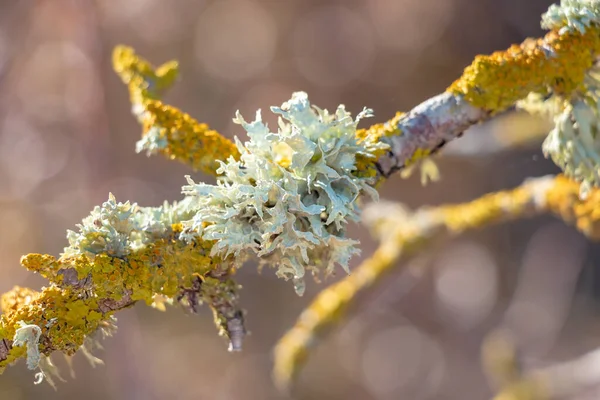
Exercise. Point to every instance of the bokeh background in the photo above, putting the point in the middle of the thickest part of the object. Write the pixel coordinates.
(67, 139)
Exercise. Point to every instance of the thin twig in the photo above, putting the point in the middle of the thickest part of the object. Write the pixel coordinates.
(403, 233)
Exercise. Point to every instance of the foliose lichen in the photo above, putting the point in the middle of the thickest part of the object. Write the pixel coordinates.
(116, 228)
(573, 144)
(106, 230)
(29, 335)
(290, 195)
(572, 16)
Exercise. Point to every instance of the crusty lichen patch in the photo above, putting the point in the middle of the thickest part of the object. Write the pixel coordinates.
(556, 63)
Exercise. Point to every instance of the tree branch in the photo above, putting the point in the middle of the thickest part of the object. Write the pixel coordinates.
(287, 196)
(491, 84)
(403, 233)
(560, 380)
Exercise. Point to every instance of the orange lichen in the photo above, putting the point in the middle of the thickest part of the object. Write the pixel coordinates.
(554, 63)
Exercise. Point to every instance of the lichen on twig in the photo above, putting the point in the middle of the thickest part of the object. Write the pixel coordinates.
(285, 197)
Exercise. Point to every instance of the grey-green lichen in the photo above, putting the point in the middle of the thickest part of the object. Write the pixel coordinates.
(574, 143)
(116, 228)
(152, 141)
(106, 230)
(572, 16)
(289, 197)
(29, 335)
(542, 105)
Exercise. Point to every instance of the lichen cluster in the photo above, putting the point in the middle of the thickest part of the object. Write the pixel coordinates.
(572, 16)
(574, 144)
(120, 254)
(555, 76)
(169, 131)
(290, 195)
(287, 199)
(556, 64)
(117, 229)
(287, 196)
(53, 319)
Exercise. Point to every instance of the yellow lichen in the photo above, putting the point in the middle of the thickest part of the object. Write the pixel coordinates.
(418, 155)
(68, 311)
(63, 316)
(143, 80)
(159, 268)
(530, 389)
(499, 359)
(188, 140)
(185, 139)
(554, 63)
(17, 297)
(564, 200)
(365, 166)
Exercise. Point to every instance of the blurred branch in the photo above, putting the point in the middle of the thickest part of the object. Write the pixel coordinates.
(558, 381)
(403, 233)
(511, 131)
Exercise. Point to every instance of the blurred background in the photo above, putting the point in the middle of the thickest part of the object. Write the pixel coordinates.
(67, 139)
